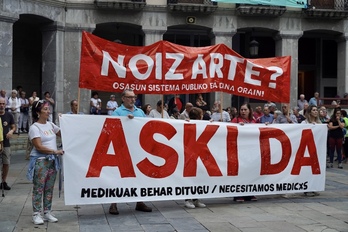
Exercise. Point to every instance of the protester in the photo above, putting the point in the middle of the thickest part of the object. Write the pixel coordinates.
(312, 117)
(175, 102)
(13, 106)
(8, 128)
(185, 114)
(315, 100)
(147, 109)
(111, 105)
(74, 107)
(216, 116)
(301, 102)
(32, 99)
(195, 114)
(200, 101)
(245, 116)
(336, 125)
(24, 111)
(159, 112)
(44, 163)
(50, 102)
(129, 109)
(95, 104)
(267, 117)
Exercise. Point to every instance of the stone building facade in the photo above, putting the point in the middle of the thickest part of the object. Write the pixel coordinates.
(41, 39)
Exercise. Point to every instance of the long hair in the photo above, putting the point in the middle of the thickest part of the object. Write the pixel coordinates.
(250, 116)
(145, 108)
(196, 113)
(309, 116)
(333, 116)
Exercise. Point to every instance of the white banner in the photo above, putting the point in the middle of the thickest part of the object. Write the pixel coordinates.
(116, 159)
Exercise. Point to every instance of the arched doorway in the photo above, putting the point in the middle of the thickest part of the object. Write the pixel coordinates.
(27, 53)
(125, 33)
(318, 58)
(266, 48)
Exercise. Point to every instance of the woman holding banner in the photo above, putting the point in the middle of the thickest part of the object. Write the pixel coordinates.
(312, 117)
(195, 114)
(245, 116)
(44, 162)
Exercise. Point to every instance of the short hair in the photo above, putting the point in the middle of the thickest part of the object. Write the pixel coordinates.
(196, 113)
(278, 112)
(72, 102)
(125, 91)
(159, 103)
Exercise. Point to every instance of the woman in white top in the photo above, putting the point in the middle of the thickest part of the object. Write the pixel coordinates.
(111, 105)
(44, 163)
(312, 117)
(96, 104)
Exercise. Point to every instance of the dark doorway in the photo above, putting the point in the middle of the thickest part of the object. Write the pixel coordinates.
(27, 53)
(125, 33)
(192, 36)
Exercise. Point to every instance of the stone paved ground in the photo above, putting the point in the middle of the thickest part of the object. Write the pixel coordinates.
(325, 213)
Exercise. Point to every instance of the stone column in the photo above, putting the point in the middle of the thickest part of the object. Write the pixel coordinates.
(52, 64)
(72, 55)
(342, 69)
(226, 98)
(6, 50)
(287, 45)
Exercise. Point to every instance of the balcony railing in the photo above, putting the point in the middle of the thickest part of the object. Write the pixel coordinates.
(120, 4)
(334, 9)
(203, 6)
(260, 10)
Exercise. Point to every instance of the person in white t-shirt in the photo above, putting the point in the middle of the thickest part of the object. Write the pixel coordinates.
(96, 104)
(44, 163)
(157, 113)
(111, 105)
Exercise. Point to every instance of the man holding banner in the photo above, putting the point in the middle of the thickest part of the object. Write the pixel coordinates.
(129, 109)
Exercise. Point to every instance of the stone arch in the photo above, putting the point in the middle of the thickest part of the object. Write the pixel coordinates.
(125, 33)
(318, 62)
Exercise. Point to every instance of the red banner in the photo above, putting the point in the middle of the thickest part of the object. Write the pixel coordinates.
(167, 68)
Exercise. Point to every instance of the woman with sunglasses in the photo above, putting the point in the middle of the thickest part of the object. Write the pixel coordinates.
(44, 162)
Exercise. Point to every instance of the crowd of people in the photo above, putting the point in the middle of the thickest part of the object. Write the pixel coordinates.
(311, 111)
(34, 116)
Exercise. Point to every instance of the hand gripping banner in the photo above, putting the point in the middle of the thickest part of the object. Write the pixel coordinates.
(167, 68)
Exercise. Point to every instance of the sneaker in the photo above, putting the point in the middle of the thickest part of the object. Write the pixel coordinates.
(239, 199)
(199, 204)
(37, 219)
(5, 186)
(49, 217)
(253, 198)
(189, 204)
(25, 131)
(20, 131)
(340, 166)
